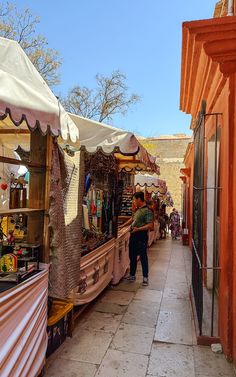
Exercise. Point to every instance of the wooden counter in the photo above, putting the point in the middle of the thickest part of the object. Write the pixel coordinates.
(154, 234)
(96, 272)
(121, 257)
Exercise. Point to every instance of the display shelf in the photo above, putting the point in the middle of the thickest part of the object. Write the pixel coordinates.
(13, 211)
(126, 206)
(16, 275)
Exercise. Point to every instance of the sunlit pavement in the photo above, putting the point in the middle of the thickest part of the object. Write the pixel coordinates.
(132, 331)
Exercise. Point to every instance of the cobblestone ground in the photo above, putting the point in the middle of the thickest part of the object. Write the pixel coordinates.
(131, 331)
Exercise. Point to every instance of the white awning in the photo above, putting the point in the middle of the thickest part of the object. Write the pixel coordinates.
(151, 183)
(149, 180)
(95, 135)
(26, 98)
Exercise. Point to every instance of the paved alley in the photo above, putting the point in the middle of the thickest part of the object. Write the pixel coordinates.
(131, 331)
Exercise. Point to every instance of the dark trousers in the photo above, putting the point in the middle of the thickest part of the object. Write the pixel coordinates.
(138, 245)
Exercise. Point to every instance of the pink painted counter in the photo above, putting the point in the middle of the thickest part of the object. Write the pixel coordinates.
(23, 323)
(96, 272)
(154, 234)
(121, 257)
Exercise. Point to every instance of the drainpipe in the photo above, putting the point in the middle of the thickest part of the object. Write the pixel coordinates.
(230, 8)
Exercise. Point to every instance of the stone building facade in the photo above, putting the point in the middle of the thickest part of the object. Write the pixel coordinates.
(170, 152)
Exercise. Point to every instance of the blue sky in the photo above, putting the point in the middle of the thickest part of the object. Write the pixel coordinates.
(142, 38)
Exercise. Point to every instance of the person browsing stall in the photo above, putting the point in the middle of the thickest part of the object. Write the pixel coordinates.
(141, 222)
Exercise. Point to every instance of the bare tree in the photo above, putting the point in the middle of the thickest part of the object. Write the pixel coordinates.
(110, 97)
(21, 25)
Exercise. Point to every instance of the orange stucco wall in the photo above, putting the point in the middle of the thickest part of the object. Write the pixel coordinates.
(225, 104)
(226, 247)
(188, 161)
(232, 219)
(215, 82)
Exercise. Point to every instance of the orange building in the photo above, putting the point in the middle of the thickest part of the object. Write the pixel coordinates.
(208, 93)
(187, 192)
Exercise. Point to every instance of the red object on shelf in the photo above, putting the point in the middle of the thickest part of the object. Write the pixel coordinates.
(4, 186)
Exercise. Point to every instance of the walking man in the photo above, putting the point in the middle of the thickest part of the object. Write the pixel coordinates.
(141, 223)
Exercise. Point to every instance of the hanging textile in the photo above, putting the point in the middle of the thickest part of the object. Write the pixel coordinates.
(65, 222)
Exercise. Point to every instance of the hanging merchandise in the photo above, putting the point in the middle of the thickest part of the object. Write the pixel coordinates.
(4, 194)
(110, 228)
(93, 203)
(85, 217)
(94, 208)
(99, 204)
(98, 227)
(127, 198)
(11, 238)
(95, 222)
(6, 170)
(4, 186)
(88, 182)
(105, 214)
(89, 201)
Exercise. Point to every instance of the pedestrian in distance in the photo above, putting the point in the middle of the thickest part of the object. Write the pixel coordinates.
(162, 223)
(175, 225)
(141, 223)
(167, 221)
(171, 215)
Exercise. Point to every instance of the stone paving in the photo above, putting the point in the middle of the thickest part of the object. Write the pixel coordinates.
(132, 331)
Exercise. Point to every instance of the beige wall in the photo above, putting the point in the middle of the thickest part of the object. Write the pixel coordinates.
(170, 152)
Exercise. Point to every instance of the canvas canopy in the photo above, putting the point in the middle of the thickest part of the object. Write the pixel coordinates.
(26, 99)
(151, 183)
(132, 156)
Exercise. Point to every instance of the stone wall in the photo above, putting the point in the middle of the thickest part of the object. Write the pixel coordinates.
(170, 152)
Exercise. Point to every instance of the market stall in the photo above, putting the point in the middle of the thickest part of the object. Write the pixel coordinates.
(156, 194)
(107, 153)
(150, 184)
(30, 118)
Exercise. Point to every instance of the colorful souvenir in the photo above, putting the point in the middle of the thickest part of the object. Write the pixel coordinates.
(99, 204)
(8, 263)
(2, 234)
(85, 217)
(21, 252)
(4, 194)
(93, 206)
(87, 183)
(4, 186)
(10, 238)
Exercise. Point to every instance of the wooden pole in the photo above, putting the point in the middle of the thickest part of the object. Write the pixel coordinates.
(46, 234)
(37, 185)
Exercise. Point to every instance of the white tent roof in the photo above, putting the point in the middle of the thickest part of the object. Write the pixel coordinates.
(153, 184)
(95, 135)
(25, 96)
(149, 180)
